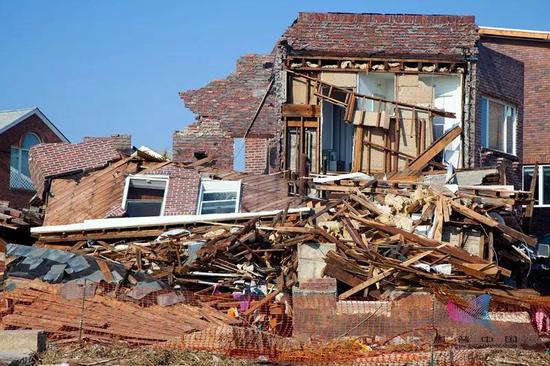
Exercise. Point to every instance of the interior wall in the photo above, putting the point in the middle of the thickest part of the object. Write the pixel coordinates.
(448, 97)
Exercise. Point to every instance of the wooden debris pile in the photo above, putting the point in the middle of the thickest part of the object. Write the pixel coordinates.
(15, 224)
(387, 234)
(100, 317)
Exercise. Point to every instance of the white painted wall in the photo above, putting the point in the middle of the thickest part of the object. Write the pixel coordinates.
(448, 96)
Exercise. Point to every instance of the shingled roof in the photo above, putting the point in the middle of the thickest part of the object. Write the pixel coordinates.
(382, 35)
(233, 101)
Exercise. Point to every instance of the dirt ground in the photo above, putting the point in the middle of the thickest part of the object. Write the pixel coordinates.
(516, 357)
(100, 355)
(97, 355)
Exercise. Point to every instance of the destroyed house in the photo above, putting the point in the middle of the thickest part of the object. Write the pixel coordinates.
(103, 178)
(364, 93)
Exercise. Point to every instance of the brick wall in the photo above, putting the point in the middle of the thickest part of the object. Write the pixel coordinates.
(47, 160)
(13, 137)
(535, 57)
(383, 35)
(120, 142)
(204, 137)
(233, 101)
(256, 155)
(500, 77)
(183, 190)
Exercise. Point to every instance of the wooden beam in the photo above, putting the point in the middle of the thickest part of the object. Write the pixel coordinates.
(301, 110)
(416, 166)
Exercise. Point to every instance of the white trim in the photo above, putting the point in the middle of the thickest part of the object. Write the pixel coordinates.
(44, 119)
(505, 126)
(515, 30)
(135, 222)
(163, 178)
(540, 183)
(231, 186)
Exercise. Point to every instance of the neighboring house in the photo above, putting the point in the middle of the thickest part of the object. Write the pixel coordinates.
(531, 51)
(106, 178)
(20, 130)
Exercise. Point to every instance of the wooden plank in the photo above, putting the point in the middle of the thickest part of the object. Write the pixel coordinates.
(385, 274)
(358, 148)
(416, 166)
(471, 214)
(301, 110)
(528, 214)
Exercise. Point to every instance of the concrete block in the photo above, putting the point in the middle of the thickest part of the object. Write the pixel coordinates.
(16, 359)
(22, 341)
(311, 260)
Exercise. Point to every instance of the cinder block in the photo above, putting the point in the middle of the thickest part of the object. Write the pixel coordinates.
(22, 341)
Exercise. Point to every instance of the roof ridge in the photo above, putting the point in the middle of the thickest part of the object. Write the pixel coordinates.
(18, 110)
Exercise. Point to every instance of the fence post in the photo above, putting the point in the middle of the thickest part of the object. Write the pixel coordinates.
(433, 363)
(82, 313)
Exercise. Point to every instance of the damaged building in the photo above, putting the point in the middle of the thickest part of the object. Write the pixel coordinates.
(364, 93)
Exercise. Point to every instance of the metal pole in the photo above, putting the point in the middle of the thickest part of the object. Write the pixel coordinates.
(82, 313)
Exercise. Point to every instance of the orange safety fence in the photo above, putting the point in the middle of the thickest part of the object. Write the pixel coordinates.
(305, 328)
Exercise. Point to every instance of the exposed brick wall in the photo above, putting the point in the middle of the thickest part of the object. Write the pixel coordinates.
(234, 100)
(183, 190)
(382, 35)
(256, 155)
(47, 160)
(120, 142)
(500, 77)
(13, 137)
(535, 57)
(205, 136)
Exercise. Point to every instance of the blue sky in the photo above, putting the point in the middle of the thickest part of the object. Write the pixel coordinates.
(101, 67)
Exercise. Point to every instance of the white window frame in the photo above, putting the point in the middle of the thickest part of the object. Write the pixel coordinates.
(485, 139)
(163, 178)
(220, 186)
(20, 150)
(540, 183)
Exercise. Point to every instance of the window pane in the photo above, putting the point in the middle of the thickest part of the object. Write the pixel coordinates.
(546, 185)
(143, 208)
(25, 163)
(496, 126)
(30, 140)
(218, 207)
(219, 196)
(527, 177)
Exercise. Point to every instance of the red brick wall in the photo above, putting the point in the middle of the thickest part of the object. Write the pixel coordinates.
(183, 190)
(535, 57)
(12, 137)
(46, 160)
(383, 35)
(233, 101)
(256, 150)
(500, 77)
(206, 136)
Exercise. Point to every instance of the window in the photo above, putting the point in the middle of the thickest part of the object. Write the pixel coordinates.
(145, 196)
(219, 196)
(239, 154)
(498, 125)
(542, 188)
(20, 175)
